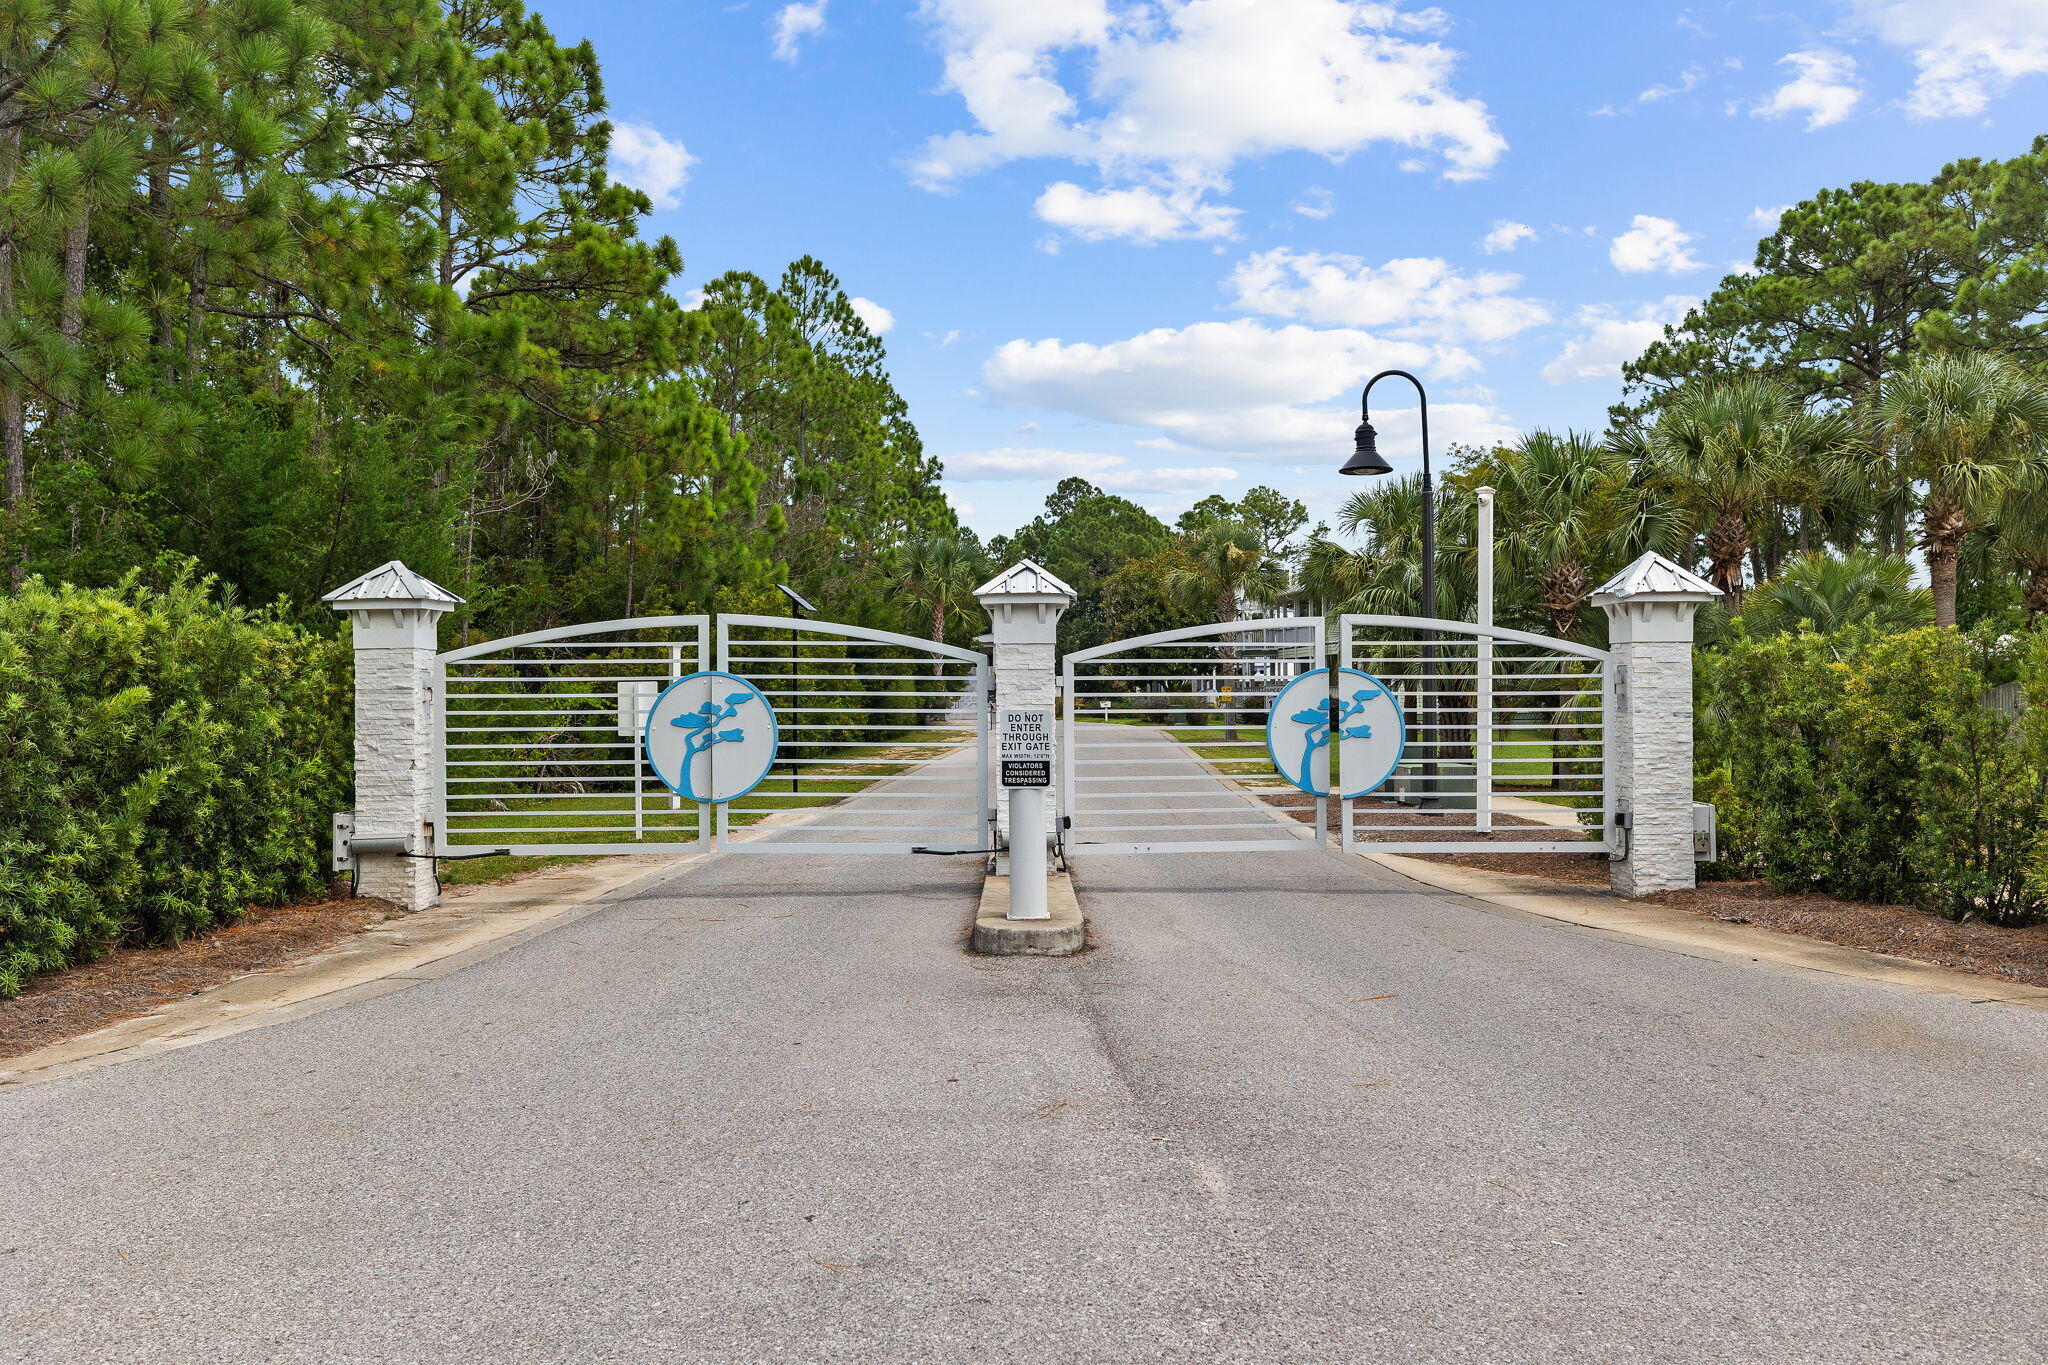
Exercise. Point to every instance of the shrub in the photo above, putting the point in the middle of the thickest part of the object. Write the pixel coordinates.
(166, 761)
(1866, 766)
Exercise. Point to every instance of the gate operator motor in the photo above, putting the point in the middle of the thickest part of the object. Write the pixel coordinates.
(348, 845)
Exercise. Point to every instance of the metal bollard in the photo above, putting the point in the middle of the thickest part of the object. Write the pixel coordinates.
(1027, 854)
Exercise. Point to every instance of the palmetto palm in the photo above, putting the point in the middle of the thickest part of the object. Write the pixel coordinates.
(1220, 565)
(940, 573)
(2023, 539)
(1817, 592)
(1566, 501)
(1727, 455)
(1965, 428)
(1384, 576)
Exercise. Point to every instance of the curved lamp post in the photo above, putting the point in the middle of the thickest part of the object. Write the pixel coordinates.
(1366, 459)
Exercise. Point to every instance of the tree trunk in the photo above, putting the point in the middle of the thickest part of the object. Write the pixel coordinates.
(13, 430)
(1726, 545)
(445, 267)
(1563, 589)
(195, 313)
(2035, 596)
(161, 244)
(71, 312)
(1942, 532)
(71, 326)
(1226, 664)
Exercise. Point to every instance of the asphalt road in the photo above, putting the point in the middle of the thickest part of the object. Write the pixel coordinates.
(1291, 1108)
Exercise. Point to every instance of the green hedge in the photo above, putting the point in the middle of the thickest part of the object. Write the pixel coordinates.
(1866, 766)
(166, 761)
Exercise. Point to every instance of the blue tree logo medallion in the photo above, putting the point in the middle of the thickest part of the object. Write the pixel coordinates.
(711, 736)
(1364, 726)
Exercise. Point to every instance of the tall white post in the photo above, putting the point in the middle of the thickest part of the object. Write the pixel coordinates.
(395, 614)
(1482, 728)
(1650, 607)
(1024, 604)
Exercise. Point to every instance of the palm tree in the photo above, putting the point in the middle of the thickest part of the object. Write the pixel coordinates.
(1568, 504)
(1328, 571)
(2023, 540)
(1384, 576)
(1727, 456)
(1220, 565)
(1965, 428)
(1820, 593)
(939, 574)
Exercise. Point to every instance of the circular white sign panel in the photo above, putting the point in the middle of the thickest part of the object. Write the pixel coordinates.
(1370, 733)
(711, 736)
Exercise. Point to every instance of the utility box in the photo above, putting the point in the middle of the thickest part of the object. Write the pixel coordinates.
(343, 856)
(1706, 832)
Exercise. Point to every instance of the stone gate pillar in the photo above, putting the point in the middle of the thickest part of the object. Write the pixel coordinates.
(1650, 607)
(395, 614)
(1024, 603)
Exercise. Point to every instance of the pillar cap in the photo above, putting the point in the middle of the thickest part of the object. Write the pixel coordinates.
(391, 585)
(1653, 578)
(1025, 581)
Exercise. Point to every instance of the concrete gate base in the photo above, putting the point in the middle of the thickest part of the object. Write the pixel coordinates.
(1066, 932)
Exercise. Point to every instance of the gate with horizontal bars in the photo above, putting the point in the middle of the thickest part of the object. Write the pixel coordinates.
(1507, 740)
(883, 740)
(1166, 741)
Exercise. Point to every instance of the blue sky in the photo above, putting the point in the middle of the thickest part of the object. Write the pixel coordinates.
(1162, 244)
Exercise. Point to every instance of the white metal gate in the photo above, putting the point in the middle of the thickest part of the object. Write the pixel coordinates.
(1507, 740)
(884, 740)
(1164, 741)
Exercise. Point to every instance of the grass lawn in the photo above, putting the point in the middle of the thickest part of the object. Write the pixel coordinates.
(608, 818)
(1519, 762)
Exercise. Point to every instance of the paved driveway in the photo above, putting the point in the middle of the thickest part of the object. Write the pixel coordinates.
(1291, 1109)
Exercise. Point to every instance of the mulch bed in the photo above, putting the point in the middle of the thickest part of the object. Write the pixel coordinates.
(2019, 955)
(132, 981)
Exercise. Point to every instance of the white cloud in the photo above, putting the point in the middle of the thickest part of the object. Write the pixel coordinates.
(1766, 219)
(1240, 388)
(1652, 244)
(1612, 337)
(1166, 480)
(655, 165)
(1315, 202)
(1016, 462)
(1506, 235)
(1177, 92)
(1113, 472)
(1823, 87)
(1144, 216)
(878, 319)
(794, 23)
(1421, 296)
(1967, 52)
(1688, 81)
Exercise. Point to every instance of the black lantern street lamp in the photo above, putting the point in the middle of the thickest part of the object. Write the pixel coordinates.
(1366, 459)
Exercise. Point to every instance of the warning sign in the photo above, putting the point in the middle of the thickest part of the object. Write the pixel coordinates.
(1024, 746)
